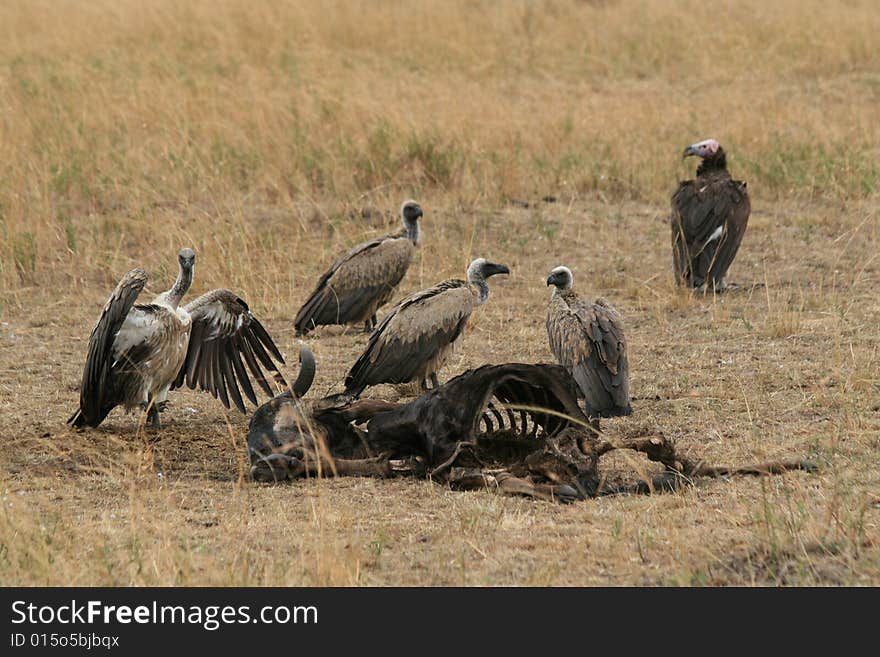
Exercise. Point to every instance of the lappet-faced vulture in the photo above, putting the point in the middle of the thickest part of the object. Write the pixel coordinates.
(709, 217)
(137, 352)
(588, 341)
(417, 336)
(364, 279)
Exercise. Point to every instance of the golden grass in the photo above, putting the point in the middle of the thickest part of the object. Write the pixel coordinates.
(270, 136)
(122, 116)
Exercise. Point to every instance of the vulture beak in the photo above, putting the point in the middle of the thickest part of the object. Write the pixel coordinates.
(690, 150)
(490, 269)
(551, 280)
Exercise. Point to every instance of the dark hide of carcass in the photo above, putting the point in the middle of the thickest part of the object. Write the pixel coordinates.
(289, 437)
(516, 428)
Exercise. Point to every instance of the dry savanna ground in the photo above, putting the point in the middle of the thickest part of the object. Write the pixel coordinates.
(269, 136)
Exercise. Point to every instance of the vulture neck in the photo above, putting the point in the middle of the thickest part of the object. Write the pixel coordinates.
(413, 232)
(716, 162)
(482, 288)
(181, 285)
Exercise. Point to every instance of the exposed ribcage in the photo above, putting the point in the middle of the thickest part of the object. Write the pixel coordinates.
(509, 420)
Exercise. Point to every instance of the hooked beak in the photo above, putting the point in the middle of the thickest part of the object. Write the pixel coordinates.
(491, 269)
(551, 280)
(690, 150)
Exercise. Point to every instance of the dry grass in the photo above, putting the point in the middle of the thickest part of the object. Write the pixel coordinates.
(269, 136)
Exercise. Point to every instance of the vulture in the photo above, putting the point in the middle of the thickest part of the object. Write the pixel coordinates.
(364, 279)
(709, 217)
(587, 339)
(138, 351)
(416, 337)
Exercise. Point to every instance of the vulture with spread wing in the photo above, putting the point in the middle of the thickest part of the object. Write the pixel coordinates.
(364, 279)
(417, 336)
(709, 217)
(137, 352)
(588, 341)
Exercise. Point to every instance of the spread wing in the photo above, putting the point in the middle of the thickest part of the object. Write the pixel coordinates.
(588, 340)
(709, 218)
(412, 334)
(95, 392)
(223, 337)
(358, 283)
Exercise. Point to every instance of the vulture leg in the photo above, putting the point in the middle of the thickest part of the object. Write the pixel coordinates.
(161, 406)
(153, 417)
(434, 380)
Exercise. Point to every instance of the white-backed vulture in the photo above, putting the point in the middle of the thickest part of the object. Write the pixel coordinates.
(137, 352)
(364, 279)
(417, 336)
(709, 218)
(588, 341)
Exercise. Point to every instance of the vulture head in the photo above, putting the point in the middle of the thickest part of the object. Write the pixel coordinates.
(187, 259)
(702, 149)
(710, 152)
(561, 278)
(705, 150)
(481, 269)
(411, 211)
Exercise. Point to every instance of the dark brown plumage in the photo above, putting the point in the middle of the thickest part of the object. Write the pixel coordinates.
(588, 341)
(138, 352)
(417, 335)
(709, 218)
(225, 336)
(108, 381)
(364, 279)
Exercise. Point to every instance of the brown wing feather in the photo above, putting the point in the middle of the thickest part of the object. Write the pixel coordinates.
(357, 284)
(588, 340)
(734, 229)
(223, 332)
(412, 335)
(93, 399)
(699, 208)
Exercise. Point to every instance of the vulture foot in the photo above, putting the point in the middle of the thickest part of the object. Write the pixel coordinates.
(153, 418)
(152, 411)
